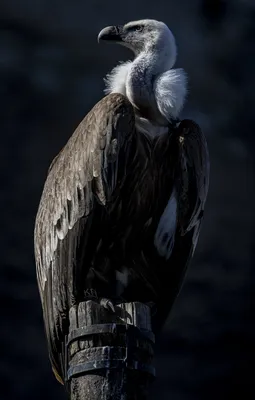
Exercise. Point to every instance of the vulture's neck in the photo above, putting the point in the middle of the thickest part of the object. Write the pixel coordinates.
(140, 86)
(141, 80)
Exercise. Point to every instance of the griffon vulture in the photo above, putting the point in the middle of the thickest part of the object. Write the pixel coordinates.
(123, 201)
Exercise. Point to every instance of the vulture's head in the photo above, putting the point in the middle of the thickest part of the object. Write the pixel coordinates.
(156, 90)
(142, 35)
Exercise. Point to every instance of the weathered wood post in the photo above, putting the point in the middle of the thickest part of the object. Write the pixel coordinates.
(109, 355)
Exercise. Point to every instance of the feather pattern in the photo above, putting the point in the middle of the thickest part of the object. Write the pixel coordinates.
(165, 234)
(112, 196)
(84, 173)
(194, 174)
(115, 82)
(170, 90)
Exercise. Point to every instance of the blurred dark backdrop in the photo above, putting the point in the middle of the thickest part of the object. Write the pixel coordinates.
(51, 74)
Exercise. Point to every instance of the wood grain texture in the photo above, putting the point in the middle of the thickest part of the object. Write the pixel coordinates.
(114, 384)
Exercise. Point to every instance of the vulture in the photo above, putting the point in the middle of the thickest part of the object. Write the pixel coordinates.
(121, 209)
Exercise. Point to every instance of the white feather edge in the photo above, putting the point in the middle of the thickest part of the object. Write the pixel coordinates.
(165, 234)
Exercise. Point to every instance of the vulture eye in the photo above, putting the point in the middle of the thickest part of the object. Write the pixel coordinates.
(138, 28)
(135, 28)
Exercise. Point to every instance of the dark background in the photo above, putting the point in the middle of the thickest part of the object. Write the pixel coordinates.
(51, 74)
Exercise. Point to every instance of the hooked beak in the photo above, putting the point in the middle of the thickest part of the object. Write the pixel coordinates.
(111, 34)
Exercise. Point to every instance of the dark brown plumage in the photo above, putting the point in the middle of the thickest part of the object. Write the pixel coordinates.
(100, 208)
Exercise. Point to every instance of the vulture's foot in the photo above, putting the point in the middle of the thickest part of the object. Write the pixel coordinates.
(108, 304)
(91, 294)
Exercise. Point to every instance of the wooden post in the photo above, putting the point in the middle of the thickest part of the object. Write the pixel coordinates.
(87, 381)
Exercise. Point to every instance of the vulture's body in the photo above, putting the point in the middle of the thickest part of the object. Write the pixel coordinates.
(120, 211)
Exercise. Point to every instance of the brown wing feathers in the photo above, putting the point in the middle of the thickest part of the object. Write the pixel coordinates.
(194, 174)
(106, 168)
(85, 171)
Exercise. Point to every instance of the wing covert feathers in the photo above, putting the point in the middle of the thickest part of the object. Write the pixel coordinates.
(163, 194)
(194, 177)
(84, 172)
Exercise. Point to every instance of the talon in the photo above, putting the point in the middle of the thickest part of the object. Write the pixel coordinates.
(108, 304)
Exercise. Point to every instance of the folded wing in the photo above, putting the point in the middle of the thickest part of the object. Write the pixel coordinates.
(86, 173)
